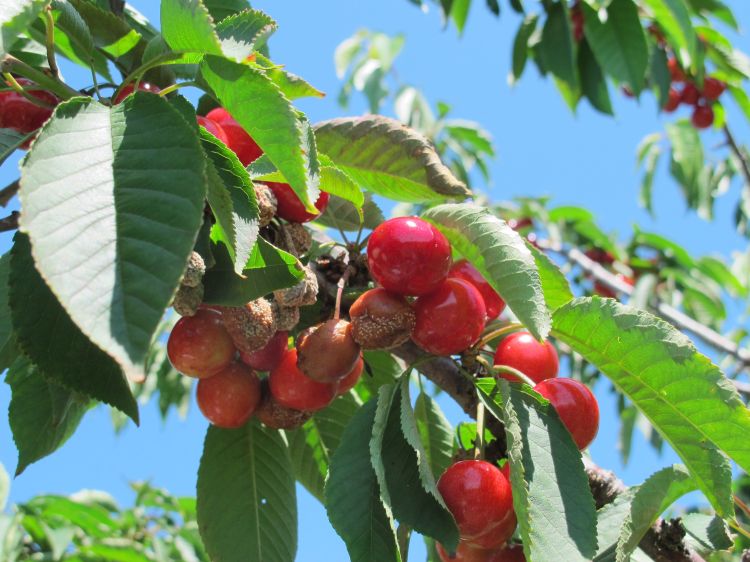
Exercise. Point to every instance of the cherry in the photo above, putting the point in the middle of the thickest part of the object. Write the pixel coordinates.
(576, 406)
(713, 88)
(464, 553)
(290, 206)
(690, 94)
(230, 397)
(268, 357)
(703, 117)
(292, 389)
(20, 114)
(450, 319)
(673, 101)
(199, 346)
(272, 414)
(130, 88)
(213, 127)
(510, 553)
(677, 74)
(520, 223)
(351, 380)
(600, 256)
(240, 142)
(523, 352)
(327, 352)
(408, 256)
(492, 301)
(479, 496)
(576, 17)
(381, 320)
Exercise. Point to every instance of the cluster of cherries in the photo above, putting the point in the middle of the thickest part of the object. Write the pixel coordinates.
(700, 99)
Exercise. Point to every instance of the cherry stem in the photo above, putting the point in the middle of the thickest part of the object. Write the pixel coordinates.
(403, 534)
(479, 443)
(15, 86)
(742, 505)
(487, 338)
(739, 528)
(7, 193)
(515, 373)
(175, 87)
(340, 291)
(49, 24)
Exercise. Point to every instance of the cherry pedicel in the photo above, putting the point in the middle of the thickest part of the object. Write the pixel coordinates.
(239, 141)
(494, 305)
(230, 397)
(213, 127)
(199, 345)
(523, 352)
(292, 389)
(267, 358)
(450, 319)
(290, 206)
(130, 88)
(576, 406)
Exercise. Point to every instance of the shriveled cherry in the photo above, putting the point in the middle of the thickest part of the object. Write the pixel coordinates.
(450, 319)
(408, 256)
(290, 207)
(327, 352)
(350, 380)
(381, 319)
(713, 88)
(703, 117)
(239, 141)
(214, 128)
(20, 114)
(199, 346)
(292, 389)
(576, 406)
(690, 94)
(494, 305)
(274, 415)
(270, 356)
(230, 397)
(130, 88)
(464, 553)
(523, 352)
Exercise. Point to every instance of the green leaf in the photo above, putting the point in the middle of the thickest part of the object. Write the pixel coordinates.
(291, 85)
(551, 495)
(500, 255)
(352, 495)
(651, 499)
(684, 396)
(619, 44)
(593, 81)
(220, 9)
(232, 199)
(113, 242)
(717, 270)
(42, 414)
(381, 368)
(674, 18)
(388, 158)
(343, 215)
(521, 45)
(6, 323)
(659, 75)
(337, 182)
(556, 48)
(266, 114)
(687, 157)
(247, 505)
(399, 460)
(244, 32)
(645, 196)
(670, 249)
(435, 433)
(459, 13)
(45, 332)
(710, 532)
(112, 34)
(15, 17)
(10, 140)
(187, 26)
(554, 284)
(609, 521)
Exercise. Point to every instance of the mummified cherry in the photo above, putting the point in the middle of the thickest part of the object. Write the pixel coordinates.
(576, 406)
(493, 303)
(479, 496)
(450, 319)
(327, 352)
(199, 345)
(703, 117)
(230, 397)
(238, 140)
(381, 320)
(408, 256)
(270, 356)
(523, 352)
(350, 380)
(274, 415)
(22, 115)
(130, 88)
(214, 128)
(291, 388)
(290, 206)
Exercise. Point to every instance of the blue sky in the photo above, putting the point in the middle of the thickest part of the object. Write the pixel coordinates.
(584, 159)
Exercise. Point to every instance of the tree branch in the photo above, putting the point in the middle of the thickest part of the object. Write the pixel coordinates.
(10, 222)
(7, 193)
(737, 151)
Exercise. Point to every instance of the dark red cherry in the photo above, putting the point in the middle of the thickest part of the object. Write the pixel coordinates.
(673, 101)
(509, 553)
(20, 114)
(703, 117)
(576, 406)
(713, 88)
(464, 553)
(523, 352)
(230, 397)
(290, 206)
(690, 94)
(267, 358)
(213, 127)
(493, 304)
(130, 88)
(292, 389)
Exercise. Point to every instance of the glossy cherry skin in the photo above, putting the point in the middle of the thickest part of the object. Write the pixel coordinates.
(199, 346)
(350, 380)
(523, 352)
(673, 101)
(267, 358)
(478, 495)
(713, 88)
(576, 406)
(493, 304)
(19, 114)
(464, 553)
(703, 117)
(450, 319)
(292, 389)
(690, 94)
(510, 553)
(230, 397)
(678, 75)
(239, 141)
(214, 128)
(130, 88)
(408, 256)
(290, 206)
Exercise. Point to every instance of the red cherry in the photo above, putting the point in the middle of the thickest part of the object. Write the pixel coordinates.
(268, 357)
(604, 291)
(576, 406)
(290, 206)
(199, 346)
(703, 117)
(350, 380)
(600, 256)
(523, 352)
(506, 470)
(464, 553)
(230, 397)
(450, 319)
(408, 256)
(713, 88)
(130, 88)
(213, 127)
(492, 301)
(480, 499)
(690, 94)
(241, 143)
(19, 114)
(677, 74)
(673, 101)
(520, 223)
(627, 91)
(576, 17)
(511, 553)
(292, 389)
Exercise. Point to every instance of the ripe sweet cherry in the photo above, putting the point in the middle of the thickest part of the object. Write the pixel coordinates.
(267, 358)
(523, 352)
(675, 71)
(214, 128)
(576, 406)
(450, 319)
(290, 206)
(350, 380)
(241, 143)
(494, 305)
(199, 346)
(130, 88)
(408, 256)
(230, 397)
(673, 101)
(690, 94)
(464, 553)
(20, 114)
(510, 553)
(713, 88)
(703, 117)
(291, 388)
